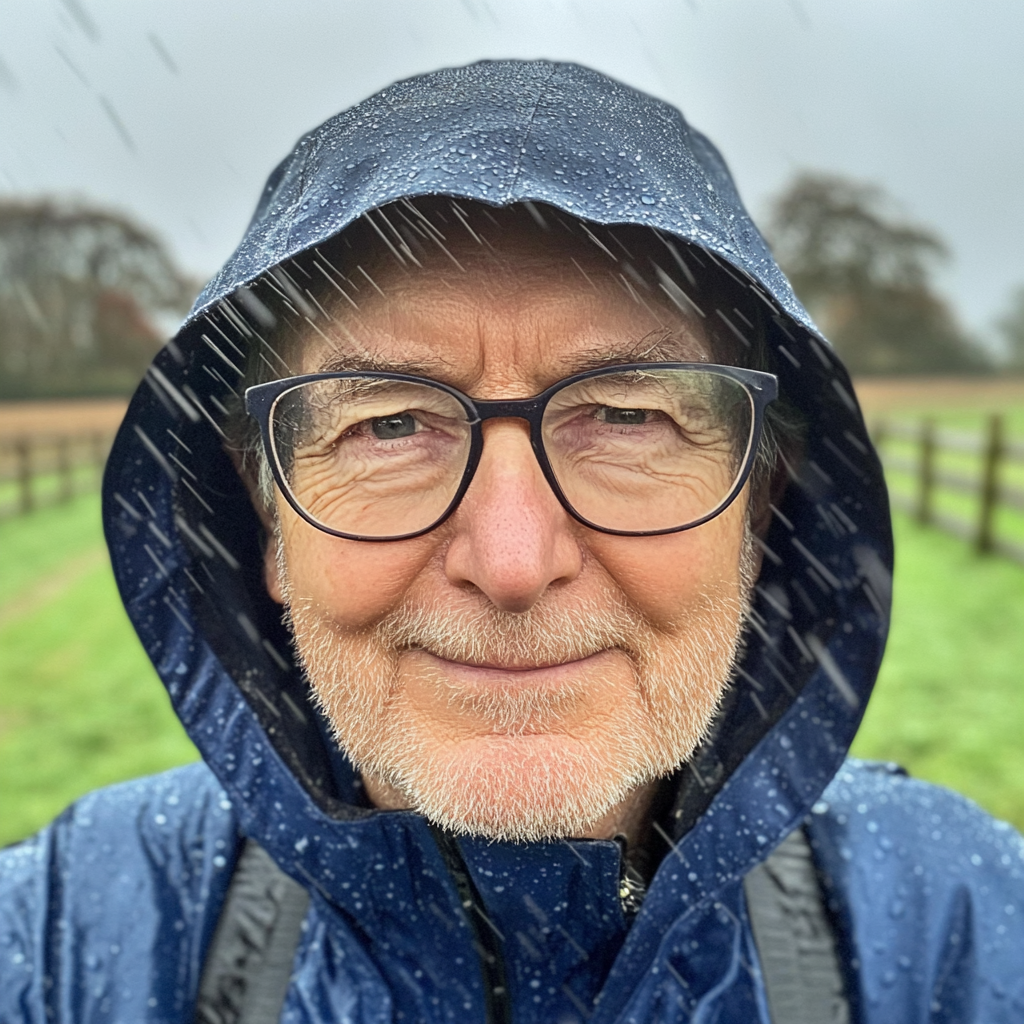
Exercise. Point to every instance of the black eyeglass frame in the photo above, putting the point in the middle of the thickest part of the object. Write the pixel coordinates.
(261, 400)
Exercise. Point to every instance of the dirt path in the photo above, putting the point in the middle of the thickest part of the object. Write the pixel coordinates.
(84, 416)
(985, 394)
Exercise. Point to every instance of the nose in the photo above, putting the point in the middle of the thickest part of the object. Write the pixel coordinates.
(512, 539)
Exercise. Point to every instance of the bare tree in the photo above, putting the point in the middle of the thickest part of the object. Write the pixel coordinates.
(81, 292)
(866, 278)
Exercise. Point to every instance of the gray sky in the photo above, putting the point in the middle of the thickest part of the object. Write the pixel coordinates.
(177, 112)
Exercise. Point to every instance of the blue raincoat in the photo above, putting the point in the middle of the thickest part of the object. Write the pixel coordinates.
(106, 915)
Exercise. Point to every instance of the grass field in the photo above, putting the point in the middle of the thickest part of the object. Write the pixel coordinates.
(949, 703)
(80, 705)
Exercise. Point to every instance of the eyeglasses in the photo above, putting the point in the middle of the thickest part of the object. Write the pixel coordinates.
(637, 449)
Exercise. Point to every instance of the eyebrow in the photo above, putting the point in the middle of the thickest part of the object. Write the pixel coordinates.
(357, 362)
(665, 346)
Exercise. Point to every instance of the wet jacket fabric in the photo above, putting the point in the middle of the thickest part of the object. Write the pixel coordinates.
(107, 914)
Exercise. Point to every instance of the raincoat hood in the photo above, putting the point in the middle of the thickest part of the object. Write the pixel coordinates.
(186, 551)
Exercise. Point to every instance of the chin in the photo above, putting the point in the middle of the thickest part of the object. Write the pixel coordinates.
(520, 788)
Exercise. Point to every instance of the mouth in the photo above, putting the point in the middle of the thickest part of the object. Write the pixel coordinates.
(535, 673)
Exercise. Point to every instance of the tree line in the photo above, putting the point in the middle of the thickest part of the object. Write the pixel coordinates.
(84, 291)
(867, 277)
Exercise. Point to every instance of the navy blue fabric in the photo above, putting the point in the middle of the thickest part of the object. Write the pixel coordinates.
(106, 915)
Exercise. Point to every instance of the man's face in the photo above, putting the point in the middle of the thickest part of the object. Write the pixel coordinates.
(512, 673)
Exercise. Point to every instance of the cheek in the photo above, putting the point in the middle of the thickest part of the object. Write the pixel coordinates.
(664, 577)
(355, 582)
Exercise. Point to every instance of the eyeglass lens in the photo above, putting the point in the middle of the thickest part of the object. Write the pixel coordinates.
(648, 450)
(634, 451)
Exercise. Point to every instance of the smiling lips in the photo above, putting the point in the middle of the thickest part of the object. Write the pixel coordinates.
(545, 675)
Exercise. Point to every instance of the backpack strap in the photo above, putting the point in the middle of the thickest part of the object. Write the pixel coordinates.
(249, 963)
(799, 963)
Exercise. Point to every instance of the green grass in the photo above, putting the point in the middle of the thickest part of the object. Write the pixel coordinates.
(949, 702)
(80, 706)
(37, 546)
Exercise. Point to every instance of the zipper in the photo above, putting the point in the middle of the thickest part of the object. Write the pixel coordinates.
(487, 938)
(632, 887)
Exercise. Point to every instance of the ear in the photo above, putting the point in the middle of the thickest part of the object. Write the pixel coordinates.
(762, 500)
(267, 518)
(760, 513)
(773, 490)
(271, 569)
(268, 521)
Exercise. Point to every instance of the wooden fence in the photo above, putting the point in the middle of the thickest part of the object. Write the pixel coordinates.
(45, 469)
(984, 470)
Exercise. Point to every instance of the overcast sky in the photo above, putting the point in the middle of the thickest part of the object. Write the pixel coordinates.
(177, 112)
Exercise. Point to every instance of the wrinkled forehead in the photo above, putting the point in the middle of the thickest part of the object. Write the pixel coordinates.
(459, 291)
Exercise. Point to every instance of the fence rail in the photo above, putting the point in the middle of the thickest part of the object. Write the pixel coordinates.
(37, 470)
(991, 459)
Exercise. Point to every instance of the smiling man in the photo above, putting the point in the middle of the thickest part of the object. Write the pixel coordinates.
(512, 547)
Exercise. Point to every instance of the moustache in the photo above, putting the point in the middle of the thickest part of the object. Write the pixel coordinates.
(541, 636)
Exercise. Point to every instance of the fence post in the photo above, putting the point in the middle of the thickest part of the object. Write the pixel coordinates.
(64, 469)
(23, 452)
(990, 484)
(926, 472)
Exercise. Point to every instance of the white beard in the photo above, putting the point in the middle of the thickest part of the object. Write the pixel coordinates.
(521, 772)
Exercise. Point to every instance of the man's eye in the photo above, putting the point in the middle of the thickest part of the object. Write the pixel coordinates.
(622, 417)
(386, 428)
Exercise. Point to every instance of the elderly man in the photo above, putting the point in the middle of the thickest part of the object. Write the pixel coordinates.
(512, 548)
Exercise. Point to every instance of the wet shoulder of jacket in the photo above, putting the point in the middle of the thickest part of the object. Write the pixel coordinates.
(128, 877)
(928, 892)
